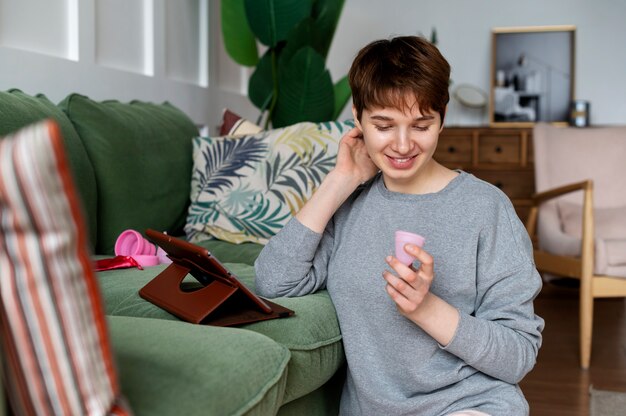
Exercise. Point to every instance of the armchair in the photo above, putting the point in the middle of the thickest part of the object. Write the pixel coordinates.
(579, 213)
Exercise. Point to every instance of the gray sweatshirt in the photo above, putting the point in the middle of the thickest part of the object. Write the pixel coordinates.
(483, 267)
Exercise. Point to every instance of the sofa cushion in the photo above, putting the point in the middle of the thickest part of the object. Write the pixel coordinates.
(18, 109)
(616, 251)
(322, 402)
(608, 222)
(226, 252)
(176, 368)
(141, 157)
(53, 331)
(312, 335)
(610, 256)
(610, 235)
(246, 188)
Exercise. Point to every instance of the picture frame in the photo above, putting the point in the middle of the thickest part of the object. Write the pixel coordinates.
(532, 75)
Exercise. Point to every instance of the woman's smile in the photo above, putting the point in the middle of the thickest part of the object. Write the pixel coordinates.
(405, 162)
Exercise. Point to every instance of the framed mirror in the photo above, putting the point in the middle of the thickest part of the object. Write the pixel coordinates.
(532, 75)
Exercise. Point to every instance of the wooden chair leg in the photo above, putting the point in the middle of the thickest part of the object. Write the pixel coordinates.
(586, 276)
(586, 321)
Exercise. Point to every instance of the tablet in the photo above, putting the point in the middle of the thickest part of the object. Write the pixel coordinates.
(223, 301)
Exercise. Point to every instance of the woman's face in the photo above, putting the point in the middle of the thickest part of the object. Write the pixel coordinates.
(400, 143)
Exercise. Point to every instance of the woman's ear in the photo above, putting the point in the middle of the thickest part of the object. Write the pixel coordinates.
(445, 111)
(357, 123)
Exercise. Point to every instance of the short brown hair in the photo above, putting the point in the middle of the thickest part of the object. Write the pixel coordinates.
(385, 71)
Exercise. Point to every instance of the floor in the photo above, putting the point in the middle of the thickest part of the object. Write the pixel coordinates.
(557, 386)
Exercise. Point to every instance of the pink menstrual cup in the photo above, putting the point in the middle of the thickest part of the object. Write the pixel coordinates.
(403, 238)
(145, 260)
(131, 242)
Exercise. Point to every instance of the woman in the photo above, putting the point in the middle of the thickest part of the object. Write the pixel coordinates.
(456, 330)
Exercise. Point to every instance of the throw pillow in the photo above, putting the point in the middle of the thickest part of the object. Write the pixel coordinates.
(608, 222)
(235, 125)
(247, 188)
(58, 357)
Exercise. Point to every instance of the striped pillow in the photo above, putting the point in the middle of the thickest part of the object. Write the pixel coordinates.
(58, 358)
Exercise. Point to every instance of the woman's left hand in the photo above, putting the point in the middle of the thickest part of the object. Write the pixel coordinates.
(410, 290)
(409, 287)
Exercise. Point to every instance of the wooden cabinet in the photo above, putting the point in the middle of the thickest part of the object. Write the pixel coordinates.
(501, 156)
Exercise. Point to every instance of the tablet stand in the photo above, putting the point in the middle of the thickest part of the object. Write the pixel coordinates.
(217, 303)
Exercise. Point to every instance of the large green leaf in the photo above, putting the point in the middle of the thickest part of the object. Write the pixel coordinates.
(261, 84)
(306, 90)
(326, 15)
(303, 34)
(316, 31)
(239, 41)
(342, 95)
(271, 20)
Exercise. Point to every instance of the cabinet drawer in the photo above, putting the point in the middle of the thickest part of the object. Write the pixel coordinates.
(499, 149)
(454, 149)
(516, 184)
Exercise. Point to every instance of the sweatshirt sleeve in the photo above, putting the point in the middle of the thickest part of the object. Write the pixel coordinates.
(502, 336)
(294, 262)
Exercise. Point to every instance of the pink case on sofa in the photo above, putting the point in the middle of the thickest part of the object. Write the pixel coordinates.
(132, 243)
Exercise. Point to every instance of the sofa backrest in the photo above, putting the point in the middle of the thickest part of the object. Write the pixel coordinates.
(141, 155)
(131, 162)
(18, 109)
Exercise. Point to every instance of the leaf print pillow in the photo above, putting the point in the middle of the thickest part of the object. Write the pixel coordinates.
(246, 188)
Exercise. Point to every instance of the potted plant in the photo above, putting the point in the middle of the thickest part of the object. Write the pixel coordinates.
(290, 82)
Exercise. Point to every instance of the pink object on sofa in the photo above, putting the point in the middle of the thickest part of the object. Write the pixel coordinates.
(132, 243)
(162, 255)
(146, 260)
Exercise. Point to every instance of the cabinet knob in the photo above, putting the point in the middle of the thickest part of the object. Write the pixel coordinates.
(451, 149)
(498, 149)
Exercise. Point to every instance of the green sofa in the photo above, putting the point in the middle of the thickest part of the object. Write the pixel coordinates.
(132, 166)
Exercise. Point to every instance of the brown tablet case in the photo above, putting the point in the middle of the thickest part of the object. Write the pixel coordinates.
(222, 299)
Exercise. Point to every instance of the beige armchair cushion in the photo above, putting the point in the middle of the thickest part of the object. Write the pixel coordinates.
(608, 222)
(552, 238)
(610, 235)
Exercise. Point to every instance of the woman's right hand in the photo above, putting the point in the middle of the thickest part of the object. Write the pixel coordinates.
(353, 160)
(352, 168)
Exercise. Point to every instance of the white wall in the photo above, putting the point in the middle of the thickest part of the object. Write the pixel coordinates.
(152, 50)
(158, 50)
